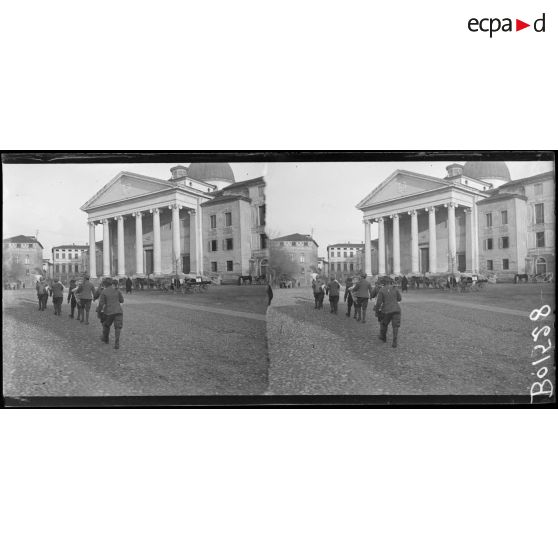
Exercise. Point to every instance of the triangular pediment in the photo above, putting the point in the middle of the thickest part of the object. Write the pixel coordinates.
(126, 186)
(400, 184)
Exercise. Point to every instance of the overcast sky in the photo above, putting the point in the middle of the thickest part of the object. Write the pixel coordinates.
(320, 198)
(47, 198)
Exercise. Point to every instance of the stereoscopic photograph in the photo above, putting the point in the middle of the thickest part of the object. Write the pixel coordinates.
(373, 280)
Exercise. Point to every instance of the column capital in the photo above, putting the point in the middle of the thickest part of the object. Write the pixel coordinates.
(155, 210)
(431, 209)
(366, 221)
(468, 209)
(451, 204)
(137, 214)
(380, 219)
(175, 206)
(412, 212)
(119, 218)
(91, 223)
(395, 216)
(105, 221)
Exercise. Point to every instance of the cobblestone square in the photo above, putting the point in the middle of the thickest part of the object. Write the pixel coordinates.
(449, 344)
(210, 343)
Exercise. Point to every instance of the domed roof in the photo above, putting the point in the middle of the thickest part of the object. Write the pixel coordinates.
(211, 171)
(485, 170)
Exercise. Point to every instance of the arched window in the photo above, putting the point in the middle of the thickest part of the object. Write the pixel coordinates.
(541, 266)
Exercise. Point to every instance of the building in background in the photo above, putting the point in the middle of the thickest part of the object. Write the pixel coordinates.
(69, 261)
(345, 259)
(233, 229)
(199, 221)
(323, 266)
(475, 219)
(22, 260)
(294, 256)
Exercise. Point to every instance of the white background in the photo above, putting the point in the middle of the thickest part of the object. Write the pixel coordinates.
(251, 483)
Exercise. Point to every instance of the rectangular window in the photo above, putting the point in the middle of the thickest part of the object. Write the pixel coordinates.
(261, 212)
(345, 267)
(76, 268)
(540, 239)
(263, 241)
(229, 244)
(18, 245)
(26, 271)
(489, 219)
(351, 267)
(213, 221)
(229, 265)
(488, 244)
(214, 246)
(505, 264)
(57, 268)
(505, 242)
(301, 259)
(214, 267)
(338, 267)
(504, 217)
(30, 245)
(539, 213)
(63, 255)
(489, 265)
(228, 219)
(306, 244)
(293, 243)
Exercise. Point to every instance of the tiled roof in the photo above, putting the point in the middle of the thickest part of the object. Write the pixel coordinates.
(71, 247)
(23, 239)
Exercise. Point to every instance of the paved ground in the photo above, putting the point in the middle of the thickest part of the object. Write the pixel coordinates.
(198, 344)
(449, 344)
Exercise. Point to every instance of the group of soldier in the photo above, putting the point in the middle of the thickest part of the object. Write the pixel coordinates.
(358, 291)
(81, 294)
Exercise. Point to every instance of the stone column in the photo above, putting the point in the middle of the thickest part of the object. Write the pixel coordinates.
(414, 243)
(432, 246)
(177, 260)
(396, 246)
(120, 243)
(92, 254)
(468, 240)
(193, 242)
(475, 235)
(106, 248)
(452, 258)
(156, 241)
(381, 247)
(139, 243)
(367, 248)
(199, 240)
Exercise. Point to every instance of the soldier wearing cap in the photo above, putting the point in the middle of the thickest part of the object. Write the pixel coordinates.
(387, 304)
(85, 293)
(109, 306)
(362, 292)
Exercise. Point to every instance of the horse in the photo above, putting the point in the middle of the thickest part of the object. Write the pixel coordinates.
(521, 277)
(243, 279)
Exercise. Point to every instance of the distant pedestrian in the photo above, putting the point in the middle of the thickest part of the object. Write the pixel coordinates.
(362, 292)
(72, 298)
(318, 290)
(348, 298)
(387, 304)
(109, 303)
(332, 290)
(404, 283)
(57, 296)
(269, 294)
(42, 294)
(86, 292)
(128, 285)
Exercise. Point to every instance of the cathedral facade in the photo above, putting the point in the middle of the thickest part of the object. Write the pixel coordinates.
(154, 227)
(475, 219)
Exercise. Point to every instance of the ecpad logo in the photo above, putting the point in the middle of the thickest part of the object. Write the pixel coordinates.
(493, 25)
